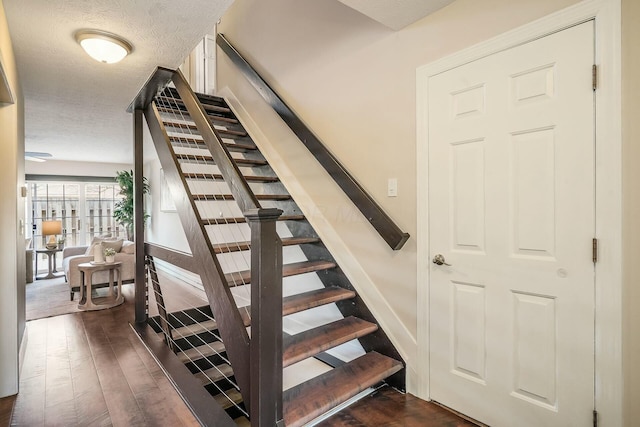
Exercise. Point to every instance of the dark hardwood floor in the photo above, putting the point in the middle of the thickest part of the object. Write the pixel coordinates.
(89, 368)
(6, 410)
(389, 408)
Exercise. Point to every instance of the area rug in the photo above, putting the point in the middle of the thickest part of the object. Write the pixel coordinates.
(50, 297)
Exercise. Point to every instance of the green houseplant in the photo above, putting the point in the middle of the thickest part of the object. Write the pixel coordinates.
(109, 255)
(123, 209)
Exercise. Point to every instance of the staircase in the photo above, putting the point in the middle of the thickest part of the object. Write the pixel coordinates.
(314, 280)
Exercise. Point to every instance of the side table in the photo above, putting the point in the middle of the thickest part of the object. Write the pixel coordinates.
(87, 270)
(51, 253)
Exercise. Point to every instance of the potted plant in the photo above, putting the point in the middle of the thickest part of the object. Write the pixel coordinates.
(110, 255)
(60, 242)
(123, 209)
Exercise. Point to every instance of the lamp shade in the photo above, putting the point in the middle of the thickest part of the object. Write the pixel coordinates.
(50, 228)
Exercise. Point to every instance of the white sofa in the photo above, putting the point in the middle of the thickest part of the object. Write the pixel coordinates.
(74, 255)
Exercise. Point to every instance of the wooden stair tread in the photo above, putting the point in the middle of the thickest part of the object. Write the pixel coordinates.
(239, 220)
(300, 302)
(232, 397)
(306, 300)
(243, 277)
(313, 398)
(242, 421)
(176, 100)
(193, 329)
(203, 97)
(215, 374)
(192, 126)
(199, 144)
(245, 246)
(214, 197)
(313, 341)
(216, 117)
(185, 113)
(209, 159)
(202, 351)
(218, 177)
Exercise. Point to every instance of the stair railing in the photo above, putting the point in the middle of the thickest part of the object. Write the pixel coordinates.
(377, 217)
(256, 361)
(204, 406)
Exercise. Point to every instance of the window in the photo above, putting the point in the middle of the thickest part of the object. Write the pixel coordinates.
(100, 199)
(85, 209)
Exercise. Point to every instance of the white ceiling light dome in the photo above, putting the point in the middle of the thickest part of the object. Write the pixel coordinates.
(103, 46)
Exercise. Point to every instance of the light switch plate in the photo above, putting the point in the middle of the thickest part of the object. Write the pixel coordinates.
(392, 187)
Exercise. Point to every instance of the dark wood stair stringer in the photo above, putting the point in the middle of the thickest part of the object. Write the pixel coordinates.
(297, 347)
(377, 340)
(218, 294)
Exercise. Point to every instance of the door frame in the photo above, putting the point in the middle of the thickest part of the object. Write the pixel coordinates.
(608, 188)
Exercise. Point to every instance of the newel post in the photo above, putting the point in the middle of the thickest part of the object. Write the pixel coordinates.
(266, 319)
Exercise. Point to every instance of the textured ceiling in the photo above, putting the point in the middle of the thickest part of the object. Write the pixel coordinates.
(396, 14)
(74, 105)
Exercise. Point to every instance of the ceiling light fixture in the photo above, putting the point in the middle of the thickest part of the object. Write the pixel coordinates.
(103, 46)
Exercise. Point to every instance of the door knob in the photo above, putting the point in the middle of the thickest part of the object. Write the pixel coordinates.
(439, 260)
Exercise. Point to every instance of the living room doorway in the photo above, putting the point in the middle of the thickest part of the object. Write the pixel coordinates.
(78, 210)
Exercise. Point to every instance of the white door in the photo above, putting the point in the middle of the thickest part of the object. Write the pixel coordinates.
(511, 208)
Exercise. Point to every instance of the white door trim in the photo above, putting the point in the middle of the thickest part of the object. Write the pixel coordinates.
(608, 299)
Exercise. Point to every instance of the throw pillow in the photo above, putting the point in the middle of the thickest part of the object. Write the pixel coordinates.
(93, 244)
(95, 240)
(128, 247)
(105, 236)
(116, 245)
(91, 248)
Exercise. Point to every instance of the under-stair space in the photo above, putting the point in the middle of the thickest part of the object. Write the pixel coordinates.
(325, 323)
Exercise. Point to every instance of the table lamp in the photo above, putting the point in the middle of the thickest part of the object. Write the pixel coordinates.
(51, 229)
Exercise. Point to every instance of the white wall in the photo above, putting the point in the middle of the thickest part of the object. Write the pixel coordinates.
(12, 259)
(631, 207)
(163, 228)
(73, 168)
(352, 81)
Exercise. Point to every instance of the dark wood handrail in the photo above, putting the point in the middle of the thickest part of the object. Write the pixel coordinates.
(172, 256)
(383, 224)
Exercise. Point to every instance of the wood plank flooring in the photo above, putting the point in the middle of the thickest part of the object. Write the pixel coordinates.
(6, 410)
(389, 408)
(90, 369)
